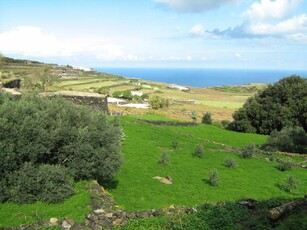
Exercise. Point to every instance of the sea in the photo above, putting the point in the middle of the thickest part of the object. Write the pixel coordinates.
(201, 77)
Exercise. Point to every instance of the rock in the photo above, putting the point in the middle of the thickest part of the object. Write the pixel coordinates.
(130, 215)
(275, 214)
(142, 214)
(163, 180)
(99, 211)
(117, 222)
(247, 203)
(157, 212)
(67, 223)
(267, 159)
(53, 221)
(109, 215)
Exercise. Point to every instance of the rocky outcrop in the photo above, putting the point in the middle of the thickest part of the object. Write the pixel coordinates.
(286, 209)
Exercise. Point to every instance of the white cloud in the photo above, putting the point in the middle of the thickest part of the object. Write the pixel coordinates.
(194, 5)
(33, 41)
(197, 30)
(268, 9)
(238, 55)
(295, 25)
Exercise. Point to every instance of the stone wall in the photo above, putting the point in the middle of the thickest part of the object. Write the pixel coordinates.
(168, 123)
(94, 100)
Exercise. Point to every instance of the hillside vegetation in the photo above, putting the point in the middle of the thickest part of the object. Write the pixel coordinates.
(135, 188)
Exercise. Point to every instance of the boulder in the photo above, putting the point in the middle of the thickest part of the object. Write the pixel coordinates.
(53, 221)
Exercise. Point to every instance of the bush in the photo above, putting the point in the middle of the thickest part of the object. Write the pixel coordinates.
(103, 90)
(56, 132)
(290, 184)
(213, 177)
(225, 123)
(47, 183)
(280, 105)
(175, 144)
(157, 102)
(248, 151)
(164, 159)
(230, 163)
(290, 139)
(285, 164)
(199, 151)
(206, 119)
(117, 94)
(194, 116)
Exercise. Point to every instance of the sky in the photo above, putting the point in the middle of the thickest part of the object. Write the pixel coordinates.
(240, 34)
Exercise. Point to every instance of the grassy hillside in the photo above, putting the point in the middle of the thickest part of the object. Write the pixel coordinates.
(135, 187)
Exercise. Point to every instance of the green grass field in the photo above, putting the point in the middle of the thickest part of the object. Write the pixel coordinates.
(74, 207)
(136, 188)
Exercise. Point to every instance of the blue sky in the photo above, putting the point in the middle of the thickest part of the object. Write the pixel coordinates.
(242, 34)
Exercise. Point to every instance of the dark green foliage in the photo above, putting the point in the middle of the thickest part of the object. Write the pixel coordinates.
(225, 123)
(248, 151)
(280, 105)
(230, 163)
(289, 139)
(206, 119)
(213, 177)
(127, 95)
(47, 183)
(290, 184)
(199, 151)
(285, 164)
(117, 94)
(55, 131)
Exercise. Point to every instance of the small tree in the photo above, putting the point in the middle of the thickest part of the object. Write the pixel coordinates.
(164, 159)
(285, 164)
(199, 151)
(175, 144)
(206, 119)
(194, 116)
(290, 184)
(248, 151)
(230, 163)
(213, 177)
(157, 102)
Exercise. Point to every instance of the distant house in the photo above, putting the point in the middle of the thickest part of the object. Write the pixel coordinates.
(182, 88)
(135, 105)
(137, 93)
(117, 101)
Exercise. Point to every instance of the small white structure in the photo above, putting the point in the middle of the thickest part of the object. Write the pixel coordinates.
(182, 88)
(138, 106)
(82, 68)
(137, 93)
(117, 101)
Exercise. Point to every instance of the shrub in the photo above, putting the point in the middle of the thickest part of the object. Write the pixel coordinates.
(225, 123)
(127, 95)
(117, 94)
(199, 151)
(56, 132)
(290, 184)
(175, 144)
(278, 106)
(290, 139)
(103, 90)
(164, 159)
(206, 119)
(194, 116)
(248, 151)
(213, 177)
(47, 183)
(285, 164)
(230, 163)
(157, 102)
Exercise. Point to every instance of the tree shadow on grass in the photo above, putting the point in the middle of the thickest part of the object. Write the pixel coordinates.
(109, 184)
